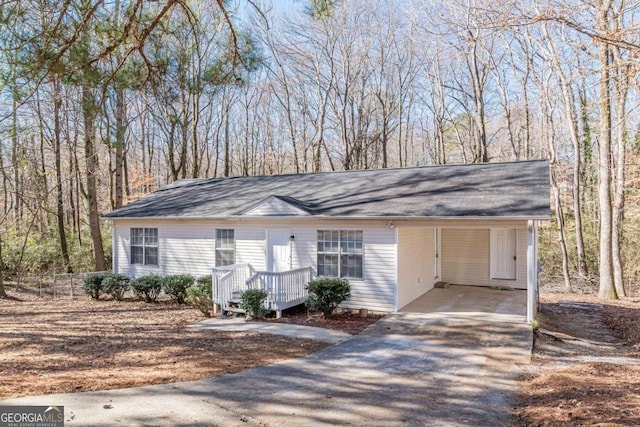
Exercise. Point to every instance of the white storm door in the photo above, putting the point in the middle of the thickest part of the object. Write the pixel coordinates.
(503, 253)
(278, 250)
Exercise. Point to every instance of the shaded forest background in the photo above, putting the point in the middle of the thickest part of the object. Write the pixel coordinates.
(102, 103)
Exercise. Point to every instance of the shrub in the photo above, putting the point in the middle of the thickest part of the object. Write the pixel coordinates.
(93, 284)
(204, 281)
(252, 302)
(199, 295)
(326, 293)
(147, 287)
(176, 286)
(116, 285)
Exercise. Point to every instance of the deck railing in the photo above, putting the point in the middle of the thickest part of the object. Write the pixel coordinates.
(284, 289)
(227, 281)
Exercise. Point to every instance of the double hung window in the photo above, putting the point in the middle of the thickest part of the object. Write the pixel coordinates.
(225, 247)
(144, 246)
(340, 253)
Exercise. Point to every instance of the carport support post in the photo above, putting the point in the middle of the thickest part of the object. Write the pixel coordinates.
(532, 270)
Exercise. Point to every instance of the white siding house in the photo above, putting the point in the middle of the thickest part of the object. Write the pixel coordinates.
(189, 247)
(392, 233)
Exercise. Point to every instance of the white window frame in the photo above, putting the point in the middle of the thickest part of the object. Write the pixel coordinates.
(219, 249)
(341, 252)
(145, 245)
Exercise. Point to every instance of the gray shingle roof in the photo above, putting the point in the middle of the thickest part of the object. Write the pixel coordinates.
(514, 189)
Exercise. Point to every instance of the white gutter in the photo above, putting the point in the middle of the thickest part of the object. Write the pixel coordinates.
(328, 218)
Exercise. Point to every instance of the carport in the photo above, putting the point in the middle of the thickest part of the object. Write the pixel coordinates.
(491, 266)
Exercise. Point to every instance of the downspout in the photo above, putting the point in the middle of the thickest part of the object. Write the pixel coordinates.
(532, 273)
(114, 258)
(397, 287)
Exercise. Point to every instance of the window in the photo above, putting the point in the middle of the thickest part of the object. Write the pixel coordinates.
(225, 247)
(340, 253)
(144, 246)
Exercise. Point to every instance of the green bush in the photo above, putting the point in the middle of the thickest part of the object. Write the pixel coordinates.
(176, 286)
(93, 284)
(326, 293)
(205, 281)
(199, 295)
(147, 287)
(252, 302)
(116, 285)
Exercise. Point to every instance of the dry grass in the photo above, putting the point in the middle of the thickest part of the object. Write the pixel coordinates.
(59, 346)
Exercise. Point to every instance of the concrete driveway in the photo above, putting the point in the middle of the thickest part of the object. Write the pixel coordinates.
(406, 370)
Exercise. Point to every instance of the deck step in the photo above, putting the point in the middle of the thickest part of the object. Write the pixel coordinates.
(234, 311)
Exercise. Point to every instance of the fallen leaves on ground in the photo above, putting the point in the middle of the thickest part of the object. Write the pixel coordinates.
(592, 375)
(59, 346)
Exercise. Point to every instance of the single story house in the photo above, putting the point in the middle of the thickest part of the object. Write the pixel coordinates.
(393, 233)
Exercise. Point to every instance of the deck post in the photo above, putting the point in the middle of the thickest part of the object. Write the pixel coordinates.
(214, 279)
(278, 314)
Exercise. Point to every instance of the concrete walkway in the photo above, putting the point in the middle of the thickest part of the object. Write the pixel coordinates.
(406, 370)
(295, 331)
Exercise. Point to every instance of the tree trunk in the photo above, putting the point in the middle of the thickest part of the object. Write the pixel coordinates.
(227, 143)
(481, 153)
(572, 121)
(560, 221)
(119, 148)
(553, 152)
(561, 234)
(196, 160)
(59, 190)
(88, 115)
(621, 91)
(3, 292)
(607, 289)
(15, 160)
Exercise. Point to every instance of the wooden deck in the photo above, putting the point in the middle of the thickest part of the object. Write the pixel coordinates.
(284, 289)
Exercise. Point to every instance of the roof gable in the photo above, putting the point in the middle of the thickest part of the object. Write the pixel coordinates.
(276, 206)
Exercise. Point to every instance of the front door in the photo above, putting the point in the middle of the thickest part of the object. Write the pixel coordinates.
(503, 253)
(278, 250)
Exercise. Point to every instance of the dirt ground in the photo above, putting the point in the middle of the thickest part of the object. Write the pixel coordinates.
(63, 345)
(586, 364)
